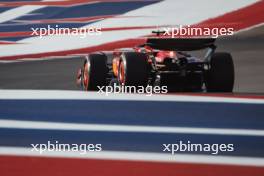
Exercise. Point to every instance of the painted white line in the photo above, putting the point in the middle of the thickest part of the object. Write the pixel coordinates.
(41, 59)
(19, 124)
(140, 156)
(81, 95)
(9, 61)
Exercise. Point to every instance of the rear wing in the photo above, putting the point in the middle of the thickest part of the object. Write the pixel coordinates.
(181, 44)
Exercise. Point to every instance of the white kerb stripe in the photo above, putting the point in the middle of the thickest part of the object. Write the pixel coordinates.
(17, 124)
(81, 95)
(18, 12)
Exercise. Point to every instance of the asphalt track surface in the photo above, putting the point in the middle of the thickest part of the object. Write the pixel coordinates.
(246, 48)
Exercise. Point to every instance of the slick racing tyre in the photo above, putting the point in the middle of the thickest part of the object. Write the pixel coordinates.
(133, 69)
(221, 74)
(94, 71)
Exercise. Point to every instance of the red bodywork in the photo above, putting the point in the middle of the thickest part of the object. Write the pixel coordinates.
(160, 56)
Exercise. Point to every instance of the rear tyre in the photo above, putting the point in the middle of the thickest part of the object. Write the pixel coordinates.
(133, 69)
(221, 74)
(95, 71)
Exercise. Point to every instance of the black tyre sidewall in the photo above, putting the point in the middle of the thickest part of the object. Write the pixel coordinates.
(97, 70)
(136, 69)
(221, 74)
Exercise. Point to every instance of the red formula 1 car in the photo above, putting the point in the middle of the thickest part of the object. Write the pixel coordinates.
(161, 62)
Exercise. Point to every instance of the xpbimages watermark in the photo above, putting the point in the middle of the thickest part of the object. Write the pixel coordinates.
(148, 90)
(83, 32)
(56, 146)
(188, 146)
(185, 31)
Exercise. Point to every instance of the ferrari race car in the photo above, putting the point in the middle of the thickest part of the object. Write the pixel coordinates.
(161, 62)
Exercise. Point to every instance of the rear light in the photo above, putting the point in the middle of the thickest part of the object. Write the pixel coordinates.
(172, 54)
